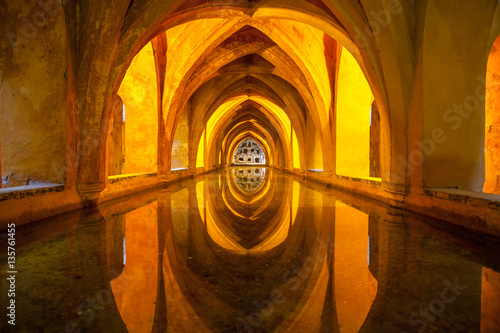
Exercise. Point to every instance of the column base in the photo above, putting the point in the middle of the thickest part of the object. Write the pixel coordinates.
(90, 193)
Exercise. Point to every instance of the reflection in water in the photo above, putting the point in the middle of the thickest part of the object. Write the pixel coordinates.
(249, 180)
(209, 257)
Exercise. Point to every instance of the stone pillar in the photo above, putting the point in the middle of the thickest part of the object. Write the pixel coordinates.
(375, 143)
(160, 47)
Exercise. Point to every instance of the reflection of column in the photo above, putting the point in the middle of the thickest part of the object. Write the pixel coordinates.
(134, 289)
(387, 241)
(97, 309)
(315, 311)
(115, 245)
(355, 286)
(160, 323)
(490, 301)
(329, 319)
(415, 273)
(178, 312)
(373, 245)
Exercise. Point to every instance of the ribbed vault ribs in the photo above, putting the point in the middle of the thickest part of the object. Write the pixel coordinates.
(212, 57)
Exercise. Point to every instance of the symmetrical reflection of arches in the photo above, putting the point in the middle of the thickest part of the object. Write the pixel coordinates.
(339, 267)
(346, 265)
(237, 226)
(250, 181)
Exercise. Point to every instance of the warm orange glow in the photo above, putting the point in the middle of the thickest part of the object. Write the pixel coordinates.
(307, 42)
(250, 166)
(135, 289)
(315, 150)
(234, 145)
(490, 301)
(232, 197)
(295, 200)
(221, 113)
(355, 286)
(353, 119)
(296, 151)
(492, 145)
(138, 91)
(200, 159)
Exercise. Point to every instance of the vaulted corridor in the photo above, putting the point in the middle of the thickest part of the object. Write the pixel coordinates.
(236, 136)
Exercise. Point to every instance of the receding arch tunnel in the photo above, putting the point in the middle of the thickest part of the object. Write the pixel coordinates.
(248, 75)
(252, 165)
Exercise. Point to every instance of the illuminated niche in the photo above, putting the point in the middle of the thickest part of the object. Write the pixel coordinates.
(249, 152)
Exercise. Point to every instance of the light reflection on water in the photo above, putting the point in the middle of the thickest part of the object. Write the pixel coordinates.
(225, 254)
(249, 179)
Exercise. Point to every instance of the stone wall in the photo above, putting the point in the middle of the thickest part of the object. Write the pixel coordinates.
(33, 94)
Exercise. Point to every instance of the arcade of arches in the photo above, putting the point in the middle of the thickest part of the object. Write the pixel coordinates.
(371, 97)
(394, 101)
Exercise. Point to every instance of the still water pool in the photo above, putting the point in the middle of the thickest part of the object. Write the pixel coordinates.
(251, 250)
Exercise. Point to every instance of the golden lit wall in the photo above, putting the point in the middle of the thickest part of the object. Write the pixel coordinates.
(314, 150)
(180, 146)
(308, 43)
(139, 94)
(296, 151)
(492, 144)
(200, 158)
(354, 99)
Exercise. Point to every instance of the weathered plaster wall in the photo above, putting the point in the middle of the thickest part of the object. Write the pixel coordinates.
(354, 99)
(115, 150)
(454, 62)
(180, 146)
(33, 62)
(200, 157)
(314, 150)
(139, 94)
(492, 153)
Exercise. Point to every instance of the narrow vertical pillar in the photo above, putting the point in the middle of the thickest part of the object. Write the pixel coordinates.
(160, 47)
(375, 143)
